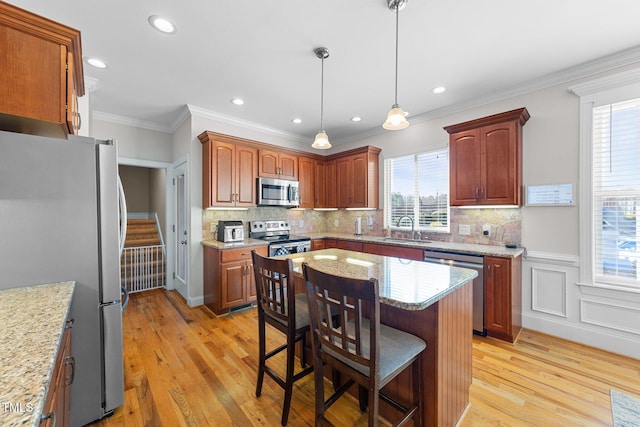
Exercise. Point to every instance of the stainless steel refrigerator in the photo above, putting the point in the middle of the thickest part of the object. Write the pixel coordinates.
(59, 221)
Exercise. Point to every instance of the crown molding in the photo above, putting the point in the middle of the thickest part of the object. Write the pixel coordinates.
(608, 63)
(127, 121)
(212, 115)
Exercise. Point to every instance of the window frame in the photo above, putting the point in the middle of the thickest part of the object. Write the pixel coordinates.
(387, 194)
(607, 90)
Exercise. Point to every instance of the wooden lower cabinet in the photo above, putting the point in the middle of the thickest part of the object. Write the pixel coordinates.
(349, 245)
(317, 244)
(503, 297)
(57, 406)
(228, 277)
(394, 251)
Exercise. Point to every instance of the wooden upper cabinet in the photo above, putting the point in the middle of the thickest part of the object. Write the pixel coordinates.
(230, 166)
(228, 172)
(42, 74)
(331, 184)
(274, 164)
(306, 171)
(357, 178)
(320, 185)
(486, 160)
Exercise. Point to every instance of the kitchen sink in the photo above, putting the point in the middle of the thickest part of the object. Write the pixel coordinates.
(397, 240)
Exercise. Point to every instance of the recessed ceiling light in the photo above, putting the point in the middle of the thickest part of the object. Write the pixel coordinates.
(297, 120)
(356, 119)
(237, 101)
(162, 24)
(439, 89)
(98, 63)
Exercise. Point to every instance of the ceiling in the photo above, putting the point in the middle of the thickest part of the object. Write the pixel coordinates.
(262, 51)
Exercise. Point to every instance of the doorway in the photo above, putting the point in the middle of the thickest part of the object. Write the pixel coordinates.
(181, 240)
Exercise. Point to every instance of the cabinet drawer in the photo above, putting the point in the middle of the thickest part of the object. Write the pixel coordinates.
(228, 255)
(239, 254)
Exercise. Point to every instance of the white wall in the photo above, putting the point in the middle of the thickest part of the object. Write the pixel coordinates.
(134, 142)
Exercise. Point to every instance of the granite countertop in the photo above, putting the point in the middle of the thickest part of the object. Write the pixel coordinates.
(246, 243)
(410, 285)
(434, 245)
(33, 319)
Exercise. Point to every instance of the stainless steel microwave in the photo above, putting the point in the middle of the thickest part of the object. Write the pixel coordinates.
(278, 192)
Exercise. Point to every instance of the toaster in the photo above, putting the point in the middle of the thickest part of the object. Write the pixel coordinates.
(230, 231)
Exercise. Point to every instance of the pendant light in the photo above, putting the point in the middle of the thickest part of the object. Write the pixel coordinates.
(322, 140)
(396, 118)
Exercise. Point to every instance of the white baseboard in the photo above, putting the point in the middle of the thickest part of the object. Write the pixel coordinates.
(606, 340)
(194, 302)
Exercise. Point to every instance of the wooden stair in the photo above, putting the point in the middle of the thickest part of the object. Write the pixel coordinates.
(142, 265)
(141, 232)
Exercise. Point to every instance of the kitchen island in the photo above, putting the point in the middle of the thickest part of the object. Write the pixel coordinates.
(431, 301)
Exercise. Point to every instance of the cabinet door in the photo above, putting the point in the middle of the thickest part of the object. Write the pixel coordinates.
(307, 182)
(288, 166)
(344, 182)
(497, 297)
(330, 243)
(233, 284)
(359, 179)
(246, 173)
(464, 162)
(317, 244)
(499, 164)
(250, 283)
(268, 164)
(222, 174)
(331, 184)
(319, 200)
(393, 251)
(71, 99)
(349, 245)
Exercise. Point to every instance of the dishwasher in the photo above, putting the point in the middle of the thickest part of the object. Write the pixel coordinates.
(473, 262)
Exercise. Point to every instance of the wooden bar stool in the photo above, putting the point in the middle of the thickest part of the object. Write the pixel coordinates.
(368, 353)
(280, 307)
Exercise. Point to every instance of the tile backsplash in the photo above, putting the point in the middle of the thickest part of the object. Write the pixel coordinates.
(504, 225)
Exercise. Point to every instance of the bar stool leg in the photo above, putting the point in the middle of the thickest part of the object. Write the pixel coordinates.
(288, 388)
(261, 354)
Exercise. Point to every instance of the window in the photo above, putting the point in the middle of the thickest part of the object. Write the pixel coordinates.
(616, 191)
(609, 181)
(417, 186)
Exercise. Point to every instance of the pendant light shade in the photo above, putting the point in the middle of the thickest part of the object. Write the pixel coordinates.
(396, 118)
(321, 141)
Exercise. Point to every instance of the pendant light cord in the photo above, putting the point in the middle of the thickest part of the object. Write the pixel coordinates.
(322, 95)
(396, 88)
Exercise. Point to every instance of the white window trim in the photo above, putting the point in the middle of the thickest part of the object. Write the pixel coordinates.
(606, 90)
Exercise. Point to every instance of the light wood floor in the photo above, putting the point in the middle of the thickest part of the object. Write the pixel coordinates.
(185, 367)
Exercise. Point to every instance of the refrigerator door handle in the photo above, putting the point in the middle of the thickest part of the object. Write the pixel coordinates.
(122, 203)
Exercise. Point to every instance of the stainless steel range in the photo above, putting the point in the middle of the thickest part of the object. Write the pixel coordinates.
(277, 233)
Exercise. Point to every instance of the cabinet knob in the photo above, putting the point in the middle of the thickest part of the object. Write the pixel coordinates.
(70, 360)
(49, 416)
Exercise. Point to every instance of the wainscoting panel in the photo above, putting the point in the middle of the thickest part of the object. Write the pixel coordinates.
(553, 302)
(549, 291)
(610, 315)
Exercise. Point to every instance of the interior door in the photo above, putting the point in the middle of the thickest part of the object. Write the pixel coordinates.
(181, 230)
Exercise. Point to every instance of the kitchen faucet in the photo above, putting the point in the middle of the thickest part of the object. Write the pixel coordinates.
(413, 234)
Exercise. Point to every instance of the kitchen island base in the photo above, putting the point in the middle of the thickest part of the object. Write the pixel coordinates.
(446, 327)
